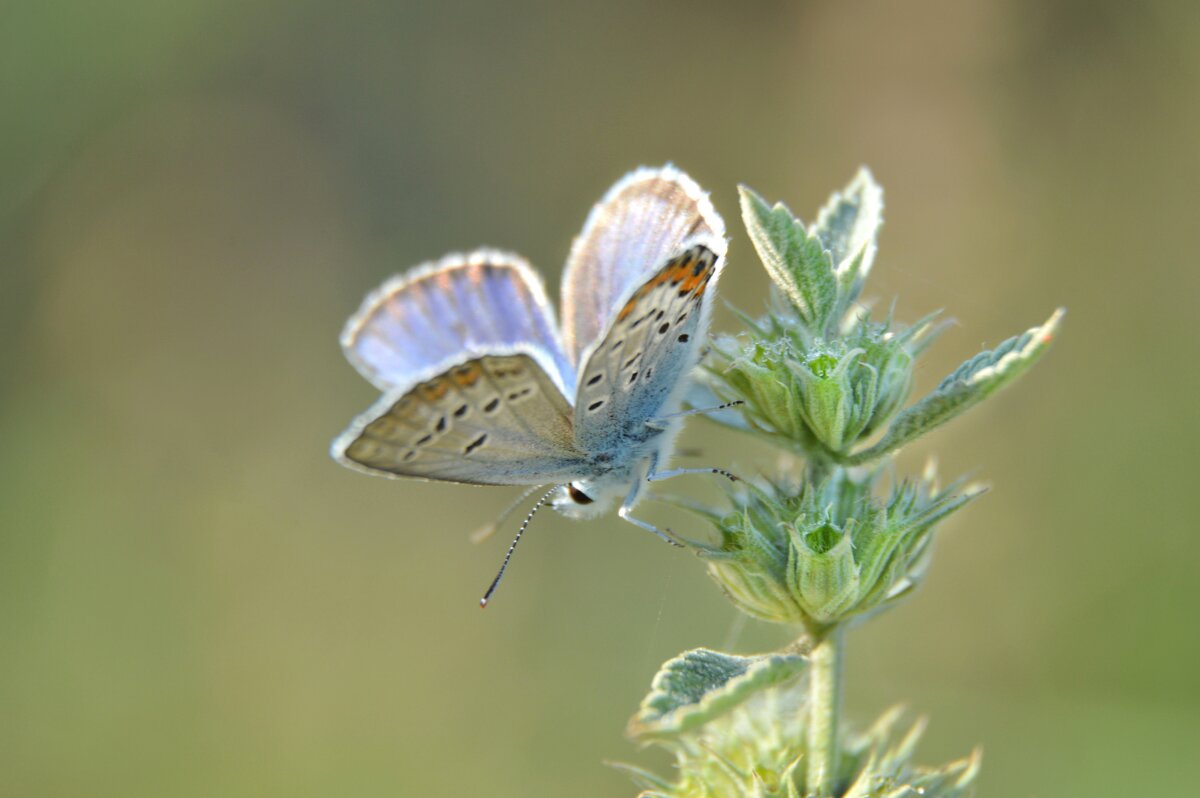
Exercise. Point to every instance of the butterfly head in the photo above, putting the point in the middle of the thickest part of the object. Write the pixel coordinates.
(590, 498)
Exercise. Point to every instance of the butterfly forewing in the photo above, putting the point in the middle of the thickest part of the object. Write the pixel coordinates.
(635, 372)
(493, 420)
(462, 306)
(644, 220)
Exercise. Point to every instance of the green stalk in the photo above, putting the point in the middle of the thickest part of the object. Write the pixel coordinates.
(824, 709)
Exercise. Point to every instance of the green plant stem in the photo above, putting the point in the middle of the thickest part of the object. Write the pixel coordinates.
(824, 709)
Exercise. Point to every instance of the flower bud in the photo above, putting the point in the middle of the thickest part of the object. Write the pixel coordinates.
(824, 396)
(822, 554)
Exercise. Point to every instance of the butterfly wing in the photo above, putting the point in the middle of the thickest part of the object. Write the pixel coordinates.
(492, 420)
(649, 216)
(418, 325)
(638, 370)
(475, 379)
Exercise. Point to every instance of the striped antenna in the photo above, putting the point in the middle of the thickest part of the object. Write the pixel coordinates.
(483, 602)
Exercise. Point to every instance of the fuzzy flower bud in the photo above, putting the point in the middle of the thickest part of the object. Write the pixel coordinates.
(822, 554)
(823, 395)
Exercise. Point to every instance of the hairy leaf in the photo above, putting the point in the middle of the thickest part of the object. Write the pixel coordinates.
(970, 383)
(798, 261)
(700, 685)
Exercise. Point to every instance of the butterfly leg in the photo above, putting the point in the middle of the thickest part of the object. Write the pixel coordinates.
(626, 513)
(659, 476)
(665, 534)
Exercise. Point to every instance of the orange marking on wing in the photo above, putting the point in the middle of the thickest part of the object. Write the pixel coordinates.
(679, 272)
(466, 377)
(691, 283)
(695, 281)
(434, 390)
(667, 273)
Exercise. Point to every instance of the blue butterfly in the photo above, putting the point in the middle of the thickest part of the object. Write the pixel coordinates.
(481, 385)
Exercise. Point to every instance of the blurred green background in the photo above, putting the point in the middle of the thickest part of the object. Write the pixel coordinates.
(195, 601)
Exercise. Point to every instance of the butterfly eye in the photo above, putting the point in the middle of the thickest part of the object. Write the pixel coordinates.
(578, 496)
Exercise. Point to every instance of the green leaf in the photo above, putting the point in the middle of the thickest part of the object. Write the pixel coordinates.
(848, 226)
(797, 261)
(969, 384)
(701, 685)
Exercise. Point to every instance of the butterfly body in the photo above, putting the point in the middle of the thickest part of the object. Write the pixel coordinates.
(482, 386)
(615, 474)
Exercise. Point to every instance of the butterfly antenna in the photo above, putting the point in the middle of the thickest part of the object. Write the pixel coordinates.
(487, 530)
(483, 602)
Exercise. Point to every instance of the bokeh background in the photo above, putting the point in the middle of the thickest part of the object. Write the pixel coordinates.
(195, 601)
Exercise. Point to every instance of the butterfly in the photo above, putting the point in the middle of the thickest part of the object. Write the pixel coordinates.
(482, 386)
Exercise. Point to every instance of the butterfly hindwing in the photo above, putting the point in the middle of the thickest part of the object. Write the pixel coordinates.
(634, 373)
(493, 420)
(645, 219)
